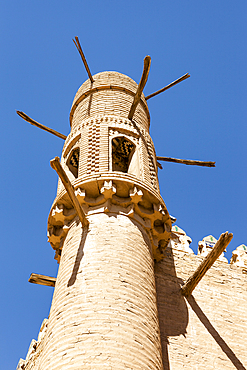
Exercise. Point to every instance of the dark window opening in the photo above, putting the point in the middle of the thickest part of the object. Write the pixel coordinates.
(122, 152)
(73, 162)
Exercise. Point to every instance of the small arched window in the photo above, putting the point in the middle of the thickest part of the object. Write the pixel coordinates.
(73, 162)
(122, 153)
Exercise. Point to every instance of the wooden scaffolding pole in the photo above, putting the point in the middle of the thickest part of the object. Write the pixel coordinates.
(184, 77)
(208, 261)
(142, 83)
(42, 280)
(39, 125)
(55, 164)
(190, 162)
(78, 46)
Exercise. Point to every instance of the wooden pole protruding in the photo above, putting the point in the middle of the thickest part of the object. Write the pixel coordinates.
(190, 162)
(159, 165)
(55, 164)
(78, 46)
(208, 261)
(184, 77)
(42, 280)
(39, 125)
(142, 83)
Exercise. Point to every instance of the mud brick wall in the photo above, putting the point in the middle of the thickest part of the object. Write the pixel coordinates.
(209, 330)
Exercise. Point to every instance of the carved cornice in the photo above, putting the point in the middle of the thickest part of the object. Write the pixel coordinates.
(153, 217)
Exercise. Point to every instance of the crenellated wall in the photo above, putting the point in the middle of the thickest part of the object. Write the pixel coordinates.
(209, 329)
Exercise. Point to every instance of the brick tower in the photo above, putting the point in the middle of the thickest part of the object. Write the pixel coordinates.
(108, 225)
(104, 311)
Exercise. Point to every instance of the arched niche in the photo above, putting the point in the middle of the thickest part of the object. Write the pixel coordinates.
(73, 162)
(124, 156)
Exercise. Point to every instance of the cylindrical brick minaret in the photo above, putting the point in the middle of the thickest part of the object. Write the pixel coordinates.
(104, 312)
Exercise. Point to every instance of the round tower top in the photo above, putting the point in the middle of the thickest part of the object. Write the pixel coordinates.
(111, 93)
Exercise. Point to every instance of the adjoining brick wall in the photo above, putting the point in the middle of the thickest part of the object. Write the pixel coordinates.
(209, 330)
(33, 357)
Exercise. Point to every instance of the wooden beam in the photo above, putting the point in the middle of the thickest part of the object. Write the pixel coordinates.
(142, 83)
(184, 77)
(42, 280)
(78, 46)
(37, 124)
(190, 162)
(208, 261)
(55, 164)
(159, 165)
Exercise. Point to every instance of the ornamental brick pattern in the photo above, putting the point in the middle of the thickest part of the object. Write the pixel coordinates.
(93, 148)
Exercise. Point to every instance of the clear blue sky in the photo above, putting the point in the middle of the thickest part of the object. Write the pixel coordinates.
(202, 118)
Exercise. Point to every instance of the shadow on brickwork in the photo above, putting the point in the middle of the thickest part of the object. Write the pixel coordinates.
(173, 311)
(219, 340)
(90, 101)
(79, 255)
(172, 308)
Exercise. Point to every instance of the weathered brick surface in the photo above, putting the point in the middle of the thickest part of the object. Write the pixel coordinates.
(104, 313)
(112, 93)
(209, 330)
